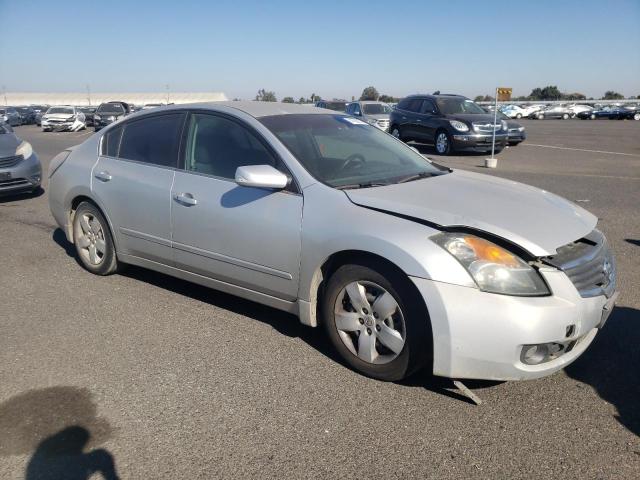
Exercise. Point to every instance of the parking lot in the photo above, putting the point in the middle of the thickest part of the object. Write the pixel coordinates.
(174, 380)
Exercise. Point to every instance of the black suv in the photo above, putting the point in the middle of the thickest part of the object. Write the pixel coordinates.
(449, 122)
(109, 112)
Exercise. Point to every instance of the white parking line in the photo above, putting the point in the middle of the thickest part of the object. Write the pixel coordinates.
(581, 150)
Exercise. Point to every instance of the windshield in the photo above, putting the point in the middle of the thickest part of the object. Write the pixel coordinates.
(23, 109)
(453, 105)
(345, 152)
(376, 108)
(64, 110)
(113, 108)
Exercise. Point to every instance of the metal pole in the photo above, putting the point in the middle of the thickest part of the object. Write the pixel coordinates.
(89, 94)
(495, 119)
(4, 94)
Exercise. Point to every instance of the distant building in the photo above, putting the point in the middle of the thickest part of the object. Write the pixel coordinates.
(83, 98)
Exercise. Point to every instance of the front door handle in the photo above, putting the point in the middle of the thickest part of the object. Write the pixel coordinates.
(185, 199)
(104, 176)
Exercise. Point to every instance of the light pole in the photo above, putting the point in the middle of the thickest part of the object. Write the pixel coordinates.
(4, 94)
(167, 85)
(89, 94)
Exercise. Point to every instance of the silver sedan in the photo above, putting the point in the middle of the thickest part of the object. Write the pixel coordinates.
(405, 264)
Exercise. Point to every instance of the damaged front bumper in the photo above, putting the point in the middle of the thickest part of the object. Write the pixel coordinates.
(63, 125)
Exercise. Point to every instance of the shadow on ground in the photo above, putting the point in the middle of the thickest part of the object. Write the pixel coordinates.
(56, 425)
(21, 196)
(611, 366)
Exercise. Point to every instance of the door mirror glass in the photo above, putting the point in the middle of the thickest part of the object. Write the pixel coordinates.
(261, 176)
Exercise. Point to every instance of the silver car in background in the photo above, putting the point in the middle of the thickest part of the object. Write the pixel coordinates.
(20, 169)
(63, 118)
(374, 113)
(404, 263)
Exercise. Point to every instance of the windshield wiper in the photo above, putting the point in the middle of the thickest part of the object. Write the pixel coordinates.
(361, 185)
(418, 176)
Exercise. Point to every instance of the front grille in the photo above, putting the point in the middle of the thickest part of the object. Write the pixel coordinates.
(486, 127)
(589, 264)
(6, 162)
(514, 130)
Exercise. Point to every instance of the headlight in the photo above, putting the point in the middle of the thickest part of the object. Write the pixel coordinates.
(97, 117)
(460, 126)
(71, 119)
(504, 125)
(521, 129)
(24, 149)
(5, 118)
(493, 268)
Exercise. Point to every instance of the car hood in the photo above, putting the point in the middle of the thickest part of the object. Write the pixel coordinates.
(536, 220)
(472, 117)
(8, 144)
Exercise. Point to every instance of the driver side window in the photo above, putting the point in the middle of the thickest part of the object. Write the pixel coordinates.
(218, 146)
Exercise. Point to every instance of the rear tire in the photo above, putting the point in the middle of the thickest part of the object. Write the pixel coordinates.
(636, 116)
(518, 116)
(540, 116)
(399, 344)
(565, 116)
(93, 241)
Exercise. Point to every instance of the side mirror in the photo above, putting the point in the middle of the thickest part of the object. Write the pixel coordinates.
(261, 176)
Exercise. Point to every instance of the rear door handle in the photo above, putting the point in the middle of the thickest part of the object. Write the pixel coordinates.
(104, 176)
(185, 199)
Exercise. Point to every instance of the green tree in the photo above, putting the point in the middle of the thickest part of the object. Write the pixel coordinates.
(266, 96)
(369, 93)
(611, 95)
(574, 96)
(479, 98)
(288, 100)
(303, 100)
(388, 98)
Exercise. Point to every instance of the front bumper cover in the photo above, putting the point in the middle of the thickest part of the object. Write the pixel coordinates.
(481, 335)
(25, 176)
(478, 142)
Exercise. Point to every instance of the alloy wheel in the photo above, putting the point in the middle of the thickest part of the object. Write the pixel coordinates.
(396, 133)
(442, 143)
(370, 322)
(91, 239)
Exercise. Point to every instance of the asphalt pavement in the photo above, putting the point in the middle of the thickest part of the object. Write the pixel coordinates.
(152, 377)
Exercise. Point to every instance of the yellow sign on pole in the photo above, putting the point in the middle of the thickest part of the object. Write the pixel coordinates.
(504, 94)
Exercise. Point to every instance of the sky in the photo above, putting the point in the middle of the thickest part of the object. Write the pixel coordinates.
(331, 48)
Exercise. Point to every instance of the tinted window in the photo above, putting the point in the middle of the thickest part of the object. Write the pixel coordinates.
(376, 108)
(356, 109)
(428, 107)
(153, 140)
(453, 105)
(111, 142)
(414, 105)
(402, 105)
(218, 146)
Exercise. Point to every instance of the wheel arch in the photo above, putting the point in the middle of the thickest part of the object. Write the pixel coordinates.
(346, 257)
(75, 202)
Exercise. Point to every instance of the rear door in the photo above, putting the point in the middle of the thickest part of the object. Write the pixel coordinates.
(132, 181)
(409, 118)
(246, 236)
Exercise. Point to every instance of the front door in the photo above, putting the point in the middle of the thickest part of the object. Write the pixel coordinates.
(246, 236)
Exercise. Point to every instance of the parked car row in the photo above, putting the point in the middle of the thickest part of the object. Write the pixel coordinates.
(565, 112)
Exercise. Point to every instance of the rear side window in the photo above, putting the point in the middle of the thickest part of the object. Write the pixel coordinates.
(154, 140)
(111, 142)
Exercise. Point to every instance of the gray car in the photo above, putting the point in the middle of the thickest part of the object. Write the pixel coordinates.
(20, 169)
(404, 263)
(374, 113)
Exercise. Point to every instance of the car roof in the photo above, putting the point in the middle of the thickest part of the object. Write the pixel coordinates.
(441, 95)
(254, 108)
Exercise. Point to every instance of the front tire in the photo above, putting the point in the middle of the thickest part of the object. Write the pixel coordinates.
(92, 239)
(565, 116)
(374, 322)
(443, 143)
(636, 116)
(518, 116)
(395, 132)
